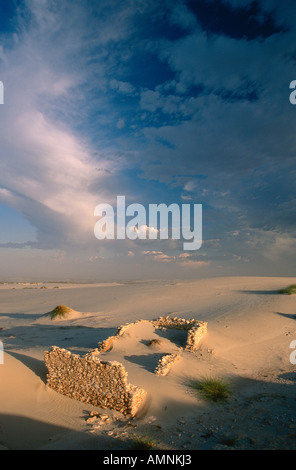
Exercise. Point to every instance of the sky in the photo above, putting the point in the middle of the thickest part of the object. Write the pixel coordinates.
(171, 102)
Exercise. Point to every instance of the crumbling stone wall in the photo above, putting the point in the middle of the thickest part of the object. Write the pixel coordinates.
(102, 383)
(90, 380)
(175, 323)
(195, 334)
(106, 344)
(166, 363)
(196, 330)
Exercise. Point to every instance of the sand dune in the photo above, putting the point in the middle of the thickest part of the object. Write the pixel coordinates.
(250, 329)
(61, 313)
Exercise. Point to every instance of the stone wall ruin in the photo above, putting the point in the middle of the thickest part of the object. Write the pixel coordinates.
(105, 384)
(92, 381)
(196, 330)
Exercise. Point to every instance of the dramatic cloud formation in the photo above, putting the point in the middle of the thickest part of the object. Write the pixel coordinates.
(184, 102)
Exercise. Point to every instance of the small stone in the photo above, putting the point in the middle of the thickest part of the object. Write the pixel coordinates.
(104, 417)
(151, 419)
(92, 420)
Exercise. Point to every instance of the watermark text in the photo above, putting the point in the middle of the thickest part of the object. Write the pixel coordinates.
(182, 222)
(293, 94)
(293, 353)
(1, 93)
(1, 353)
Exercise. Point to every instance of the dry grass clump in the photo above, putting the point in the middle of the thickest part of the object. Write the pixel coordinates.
(60, 312)
(142, 443)
(290, 290)
(213, 389)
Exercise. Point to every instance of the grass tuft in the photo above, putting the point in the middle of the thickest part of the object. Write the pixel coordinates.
(60, 312)
(290, 290)
(213, 389)
(141, 443)
(154, 342)
(229, 441)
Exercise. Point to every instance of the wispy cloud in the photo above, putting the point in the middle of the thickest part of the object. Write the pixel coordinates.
(48, 168)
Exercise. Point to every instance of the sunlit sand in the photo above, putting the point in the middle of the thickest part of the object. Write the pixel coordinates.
(250, 327)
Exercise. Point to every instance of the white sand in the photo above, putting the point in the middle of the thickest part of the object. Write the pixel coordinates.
(250, 328)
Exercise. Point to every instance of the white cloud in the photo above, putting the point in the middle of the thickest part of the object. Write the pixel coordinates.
(182, 259)
(122, 87)
(194, 264)
(47, 170)
(120, 123)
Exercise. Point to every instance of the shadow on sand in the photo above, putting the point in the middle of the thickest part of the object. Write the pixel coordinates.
(78, 339)
(291, 316)
(35, 365)
(148, 361)
(22, 433)
(259, 292)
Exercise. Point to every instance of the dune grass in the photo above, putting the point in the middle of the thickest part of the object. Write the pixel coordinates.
(60, 312)
(141, 443)
(212, 389)
(290, 290)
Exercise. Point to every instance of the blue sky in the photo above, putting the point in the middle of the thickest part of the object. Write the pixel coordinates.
(183, 101)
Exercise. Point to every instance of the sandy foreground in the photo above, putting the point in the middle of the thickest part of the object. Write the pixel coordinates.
(250, 330)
